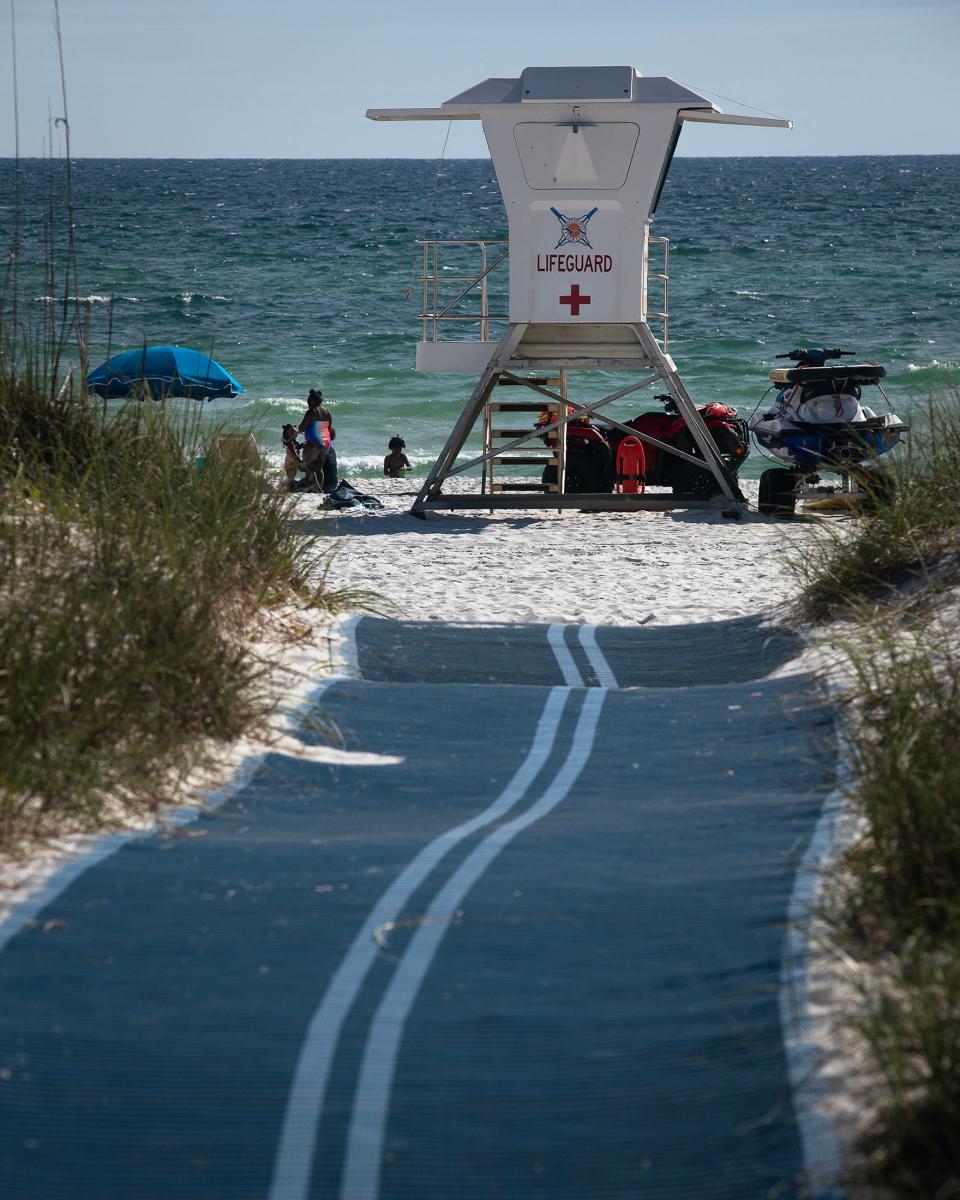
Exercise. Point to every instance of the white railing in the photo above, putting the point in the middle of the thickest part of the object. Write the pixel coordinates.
(661, 276)
(444, 271)
(441, 275)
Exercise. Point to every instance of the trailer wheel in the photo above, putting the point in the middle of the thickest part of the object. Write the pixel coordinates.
(778, 493)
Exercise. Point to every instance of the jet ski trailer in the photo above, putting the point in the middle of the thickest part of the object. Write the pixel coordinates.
(817, 425)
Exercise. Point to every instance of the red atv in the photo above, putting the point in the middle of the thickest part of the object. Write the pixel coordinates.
(728, 431)
(592, 453)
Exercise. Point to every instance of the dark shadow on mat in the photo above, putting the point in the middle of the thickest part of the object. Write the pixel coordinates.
(715, 652)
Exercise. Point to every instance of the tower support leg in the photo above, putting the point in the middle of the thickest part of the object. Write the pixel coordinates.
(506, 359)
(468, 418)
(667, 368)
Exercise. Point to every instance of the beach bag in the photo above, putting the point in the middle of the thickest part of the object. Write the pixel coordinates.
(344, 495)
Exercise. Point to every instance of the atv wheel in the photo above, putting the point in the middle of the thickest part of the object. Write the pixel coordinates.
(587, 471)
(778, 493)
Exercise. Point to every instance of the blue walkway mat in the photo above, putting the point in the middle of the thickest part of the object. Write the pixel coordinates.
(654, 656)
(538, 957)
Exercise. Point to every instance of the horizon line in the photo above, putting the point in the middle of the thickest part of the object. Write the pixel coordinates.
(423, 157)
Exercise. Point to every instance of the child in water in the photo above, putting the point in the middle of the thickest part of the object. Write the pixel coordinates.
(396, 461)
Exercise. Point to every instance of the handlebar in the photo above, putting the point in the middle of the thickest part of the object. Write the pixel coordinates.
(814, 352)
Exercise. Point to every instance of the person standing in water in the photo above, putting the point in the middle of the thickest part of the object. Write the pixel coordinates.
(396, 461)
(318, 432)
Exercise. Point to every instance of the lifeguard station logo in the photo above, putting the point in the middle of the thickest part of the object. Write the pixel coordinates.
(574, 232)
(573, 229)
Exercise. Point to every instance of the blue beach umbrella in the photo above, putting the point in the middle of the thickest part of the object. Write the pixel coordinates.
(163, 371)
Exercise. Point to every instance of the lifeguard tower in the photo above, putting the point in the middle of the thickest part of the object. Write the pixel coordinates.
(581, 155)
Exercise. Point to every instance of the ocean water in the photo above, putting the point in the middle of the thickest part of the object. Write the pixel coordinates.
(295, 274)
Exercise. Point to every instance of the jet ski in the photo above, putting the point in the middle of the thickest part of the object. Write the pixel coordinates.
(818, 422)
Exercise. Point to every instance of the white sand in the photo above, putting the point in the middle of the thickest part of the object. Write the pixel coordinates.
(596, 568)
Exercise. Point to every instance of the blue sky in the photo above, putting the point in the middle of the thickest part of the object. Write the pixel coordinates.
(292, 78)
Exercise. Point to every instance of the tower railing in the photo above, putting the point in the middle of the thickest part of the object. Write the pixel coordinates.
(663, 277)
(444, 273)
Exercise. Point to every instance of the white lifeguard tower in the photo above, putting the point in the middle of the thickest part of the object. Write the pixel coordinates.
(581, 155)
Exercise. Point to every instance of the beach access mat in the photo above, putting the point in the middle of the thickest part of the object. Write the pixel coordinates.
(524, 940)
(653, 656)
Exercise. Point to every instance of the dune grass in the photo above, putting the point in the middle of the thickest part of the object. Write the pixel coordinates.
(911, 534)
(131, 580)
(912, 1151)
(130, 577)
(903, 738)
(897, 910)
(892, 577)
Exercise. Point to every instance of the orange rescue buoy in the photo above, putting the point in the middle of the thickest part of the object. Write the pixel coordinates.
(631, 466)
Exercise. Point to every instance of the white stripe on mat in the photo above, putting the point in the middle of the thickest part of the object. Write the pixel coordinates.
(361, 1177)
(601, 668)
(347, 631)
(294, 1162)
(43, 885)
(821, 1150)
(568, 668)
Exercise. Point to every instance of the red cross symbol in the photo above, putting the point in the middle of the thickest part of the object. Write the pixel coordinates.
(575, 300)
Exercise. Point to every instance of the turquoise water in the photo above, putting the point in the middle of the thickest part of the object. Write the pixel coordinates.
(293, 274)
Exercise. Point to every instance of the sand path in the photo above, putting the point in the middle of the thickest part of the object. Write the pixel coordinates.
(598, 568)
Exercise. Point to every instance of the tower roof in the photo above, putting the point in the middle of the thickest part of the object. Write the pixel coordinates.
(580, 85)
(573, 85)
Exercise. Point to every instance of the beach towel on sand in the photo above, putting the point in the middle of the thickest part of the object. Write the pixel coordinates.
(344, 495)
